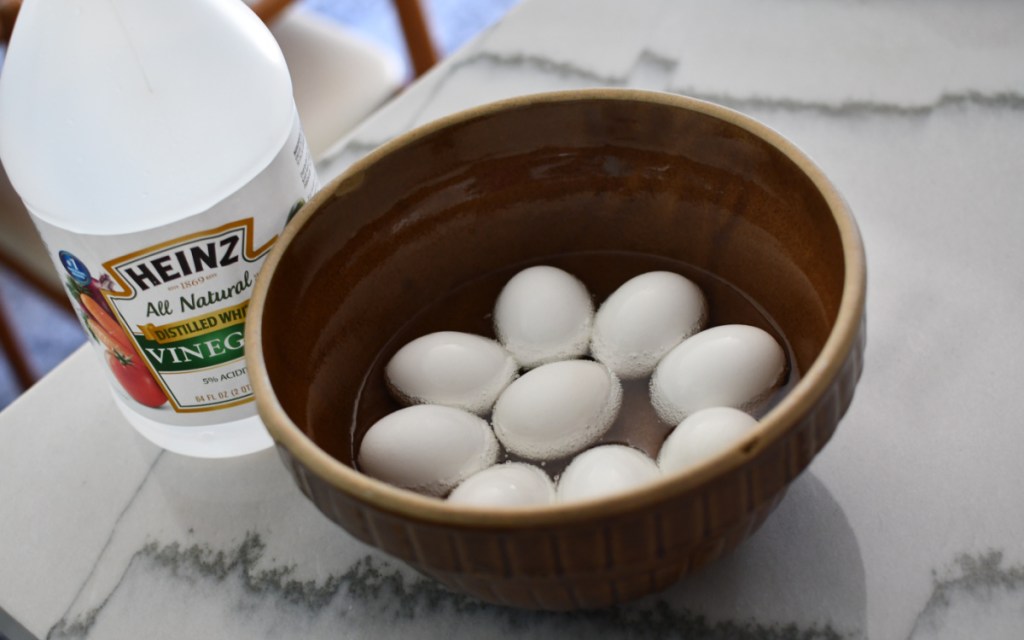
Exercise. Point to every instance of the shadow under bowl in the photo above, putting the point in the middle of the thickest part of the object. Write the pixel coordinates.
(586, 176)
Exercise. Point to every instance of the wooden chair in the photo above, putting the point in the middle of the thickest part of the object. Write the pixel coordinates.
(338, 79)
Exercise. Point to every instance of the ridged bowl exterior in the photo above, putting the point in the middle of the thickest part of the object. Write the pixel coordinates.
(603, 560)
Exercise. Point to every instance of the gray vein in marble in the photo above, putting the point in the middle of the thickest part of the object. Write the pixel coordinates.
(1007, 100)
(661, 66)
(1012, 100)
(380, 590)
(113, 531)
(974, 577)
(652, 71)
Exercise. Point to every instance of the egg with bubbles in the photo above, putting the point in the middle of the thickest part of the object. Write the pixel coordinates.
(644, 319)
(726, 366)
(513, 484)
(702, 436)
(605, 471)
(557, 409)
(451, 368)
(427, 448)
(544, 314)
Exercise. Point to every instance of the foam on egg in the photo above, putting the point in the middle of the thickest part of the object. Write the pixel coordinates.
(453, 369)
(644, 319)
(704, 435)
(427, 448)
(731, 365)
(604, 471)
(544, 314)
(557, 409)
(513, 484)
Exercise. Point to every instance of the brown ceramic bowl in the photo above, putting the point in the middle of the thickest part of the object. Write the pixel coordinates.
(611, 182)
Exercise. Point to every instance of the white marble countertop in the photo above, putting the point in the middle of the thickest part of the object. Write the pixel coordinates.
(909, 525)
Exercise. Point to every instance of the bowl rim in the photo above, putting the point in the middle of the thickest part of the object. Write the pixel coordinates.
(809, 389)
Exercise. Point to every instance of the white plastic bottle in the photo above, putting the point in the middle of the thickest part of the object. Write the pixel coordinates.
(157, 146)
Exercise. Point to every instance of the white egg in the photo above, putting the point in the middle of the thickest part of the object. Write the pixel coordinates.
(544, 314)
(557, 409)
(513, 484)
(727, 366)
(451, 368)
(643, 319)
(604, 471)
(702, 436)
(427, 448)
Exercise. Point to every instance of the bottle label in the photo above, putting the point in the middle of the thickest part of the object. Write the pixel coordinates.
(166, 307)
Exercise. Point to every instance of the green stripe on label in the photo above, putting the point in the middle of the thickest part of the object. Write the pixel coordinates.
(198, 352)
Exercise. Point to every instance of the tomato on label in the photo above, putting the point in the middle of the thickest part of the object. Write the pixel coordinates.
(136, 380)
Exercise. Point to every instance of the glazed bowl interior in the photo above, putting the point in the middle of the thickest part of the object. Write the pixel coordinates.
(421, 235)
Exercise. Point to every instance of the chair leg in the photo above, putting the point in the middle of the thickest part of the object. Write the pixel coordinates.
(268, 10)
(15, 354)
(417, 35)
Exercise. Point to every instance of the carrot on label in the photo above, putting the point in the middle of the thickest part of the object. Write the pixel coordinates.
(108, 323)
(107, 340)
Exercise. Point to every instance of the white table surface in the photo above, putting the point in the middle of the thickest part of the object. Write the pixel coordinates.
(909, 525)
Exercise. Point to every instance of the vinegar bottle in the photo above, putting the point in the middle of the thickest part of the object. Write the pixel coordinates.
(157, 147)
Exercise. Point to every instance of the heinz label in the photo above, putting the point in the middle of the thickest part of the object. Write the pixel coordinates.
(165, 307)
(185, 301)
